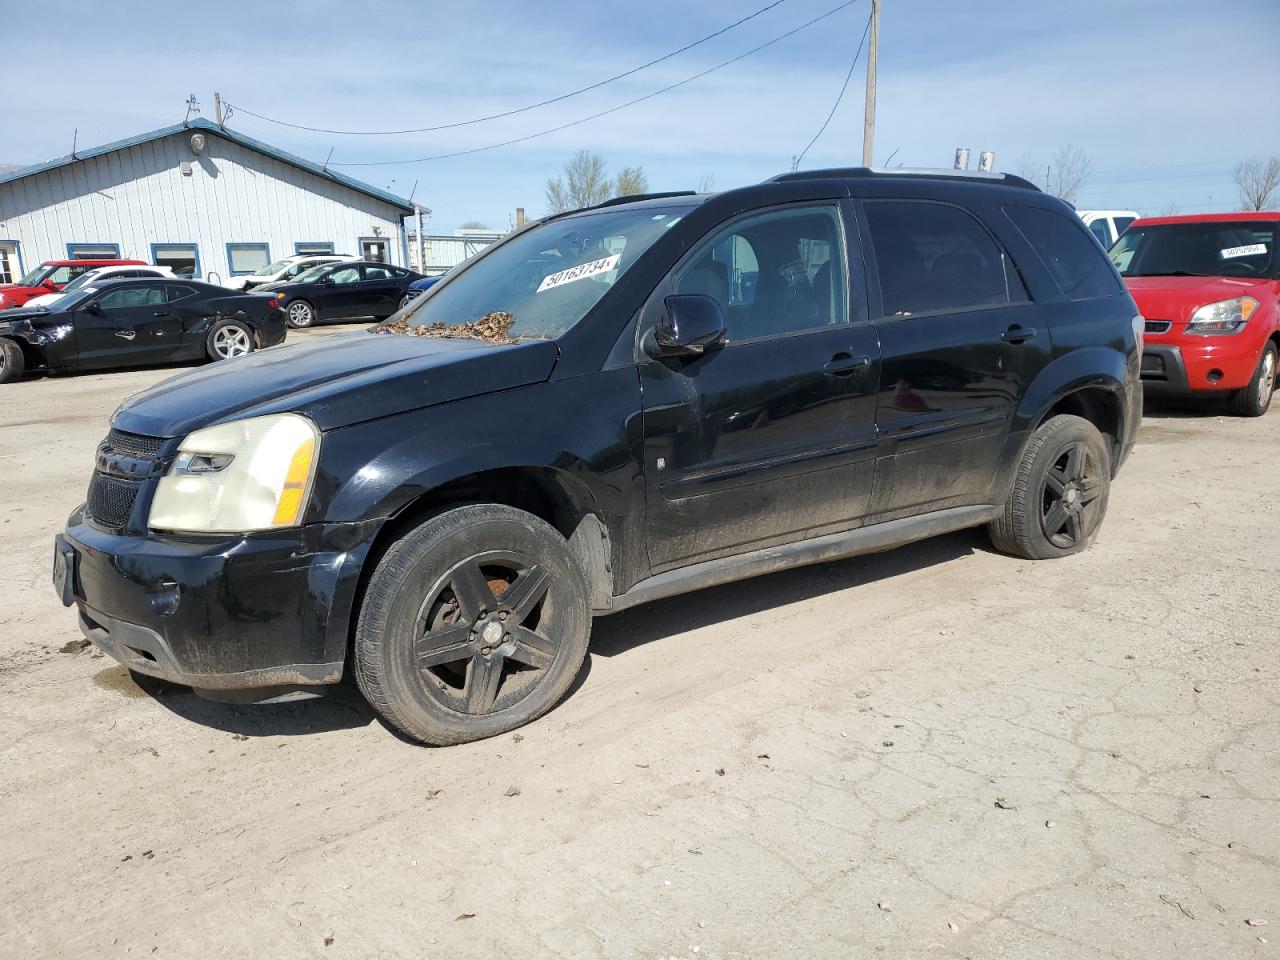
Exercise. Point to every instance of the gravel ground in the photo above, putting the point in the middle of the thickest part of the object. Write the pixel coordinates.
(934, 752)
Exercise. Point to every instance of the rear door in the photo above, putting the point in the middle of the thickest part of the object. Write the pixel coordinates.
(383, 287)
(769, 436)
(959, 343)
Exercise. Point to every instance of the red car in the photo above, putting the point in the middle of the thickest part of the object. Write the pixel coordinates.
(50, 277)
(1208, 286)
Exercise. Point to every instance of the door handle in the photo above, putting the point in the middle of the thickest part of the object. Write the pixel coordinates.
(1017, 334)
(845, 365)
(161, 313)
(126, 334)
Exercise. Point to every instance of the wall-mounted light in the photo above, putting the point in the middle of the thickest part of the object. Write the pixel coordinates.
(197, 143)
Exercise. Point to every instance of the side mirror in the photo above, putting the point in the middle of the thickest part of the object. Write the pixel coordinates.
(48, 284)
(691, 322)
(92, 307)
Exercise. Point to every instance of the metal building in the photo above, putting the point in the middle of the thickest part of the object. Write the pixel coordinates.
(200, 198)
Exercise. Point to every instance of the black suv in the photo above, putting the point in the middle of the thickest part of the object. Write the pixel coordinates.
(608, 407)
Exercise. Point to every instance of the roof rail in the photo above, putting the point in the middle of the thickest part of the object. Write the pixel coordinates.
(924, 173)
(636, 197)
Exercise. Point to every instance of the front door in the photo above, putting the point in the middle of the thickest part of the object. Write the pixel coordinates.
(132, 324)
(960, 343)
(339, 297)
(770, 436)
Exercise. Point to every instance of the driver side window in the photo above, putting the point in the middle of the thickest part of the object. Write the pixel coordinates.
(773, 273)
(345, 275)
(126, 297)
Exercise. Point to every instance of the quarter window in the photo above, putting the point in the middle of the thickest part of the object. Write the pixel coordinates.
(773, 273)
(936, 258)
(1080, 269)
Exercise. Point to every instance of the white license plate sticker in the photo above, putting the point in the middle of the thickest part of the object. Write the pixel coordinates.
(1248, 250)
(581, 271)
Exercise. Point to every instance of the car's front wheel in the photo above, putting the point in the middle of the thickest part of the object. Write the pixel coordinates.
(228, 339)
(300, 314)
(1254, 399)
(1059, 493)
(474, 623)
(12, 362)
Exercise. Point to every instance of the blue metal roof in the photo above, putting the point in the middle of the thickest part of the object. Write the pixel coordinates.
(211, 127)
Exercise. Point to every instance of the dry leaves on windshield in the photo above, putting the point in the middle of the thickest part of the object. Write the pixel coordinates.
(494, 327)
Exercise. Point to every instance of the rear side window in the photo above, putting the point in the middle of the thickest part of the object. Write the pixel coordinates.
(180, 293)
(1080, 269)
(937, 258)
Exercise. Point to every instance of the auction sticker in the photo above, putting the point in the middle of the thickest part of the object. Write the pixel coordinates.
(579, 272)
(1249, 250)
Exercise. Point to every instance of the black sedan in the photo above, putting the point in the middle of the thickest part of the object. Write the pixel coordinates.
(355, 290)
(135, 322)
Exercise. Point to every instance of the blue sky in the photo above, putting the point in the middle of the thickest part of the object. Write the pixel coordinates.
(1165, 95)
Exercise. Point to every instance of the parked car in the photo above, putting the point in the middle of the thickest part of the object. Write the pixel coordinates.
(1107, 225)
(98, 275)
(136, 322)
(418, 288)
(1209, 287)
(585, 417)
(50, 277)
(351, 290)
(282, 271)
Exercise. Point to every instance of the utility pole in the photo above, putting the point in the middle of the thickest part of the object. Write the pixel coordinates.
(217, 108)
(869, 116)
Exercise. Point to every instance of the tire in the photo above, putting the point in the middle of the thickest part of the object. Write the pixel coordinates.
(1059, 494)
(1255, 399)
(436, 667)
(300, 314)
(404, 302)
(12, 363)
(228, 339)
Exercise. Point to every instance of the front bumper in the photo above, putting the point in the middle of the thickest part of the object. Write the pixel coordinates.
(1199, 364)
(258, 611)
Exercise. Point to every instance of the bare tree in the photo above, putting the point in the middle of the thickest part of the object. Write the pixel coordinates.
(1258, 180)
(583, 184)
(707, 184)
(1063, 176)
(630, 181)
(474, 225)
(1170, 210)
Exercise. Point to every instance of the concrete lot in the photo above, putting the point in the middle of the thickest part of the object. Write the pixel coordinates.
(935, 752)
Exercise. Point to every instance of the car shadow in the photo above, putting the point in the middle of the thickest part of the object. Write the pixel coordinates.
(343, 708)
(618, 633)
(1184, 408)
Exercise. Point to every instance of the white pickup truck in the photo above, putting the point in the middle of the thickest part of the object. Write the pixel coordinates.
(1107, 225)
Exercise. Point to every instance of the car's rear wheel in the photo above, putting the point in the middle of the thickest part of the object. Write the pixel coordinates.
(228, 339)
(300, 314)
(1059, 493)
(474, 623)
(12, 362)
(1255, 399)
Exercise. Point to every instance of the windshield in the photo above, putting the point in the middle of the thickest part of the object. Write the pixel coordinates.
(80, 281)
(544, 280)
(1203, 248)
(271, 269)
(33, 278)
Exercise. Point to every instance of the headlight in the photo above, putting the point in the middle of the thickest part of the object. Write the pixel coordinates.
(1226, 316)
(236, 477)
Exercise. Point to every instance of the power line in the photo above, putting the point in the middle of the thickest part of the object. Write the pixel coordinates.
(511, 113)
(602, 113)
(843, 88)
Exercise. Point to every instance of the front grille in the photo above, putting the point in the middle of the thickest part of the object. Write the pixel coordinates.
(1158, 326)
(133, 444)
(110, 500)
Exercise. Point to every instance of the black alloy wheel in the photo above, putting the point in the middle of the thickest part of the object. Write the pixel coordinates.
(1069, 511)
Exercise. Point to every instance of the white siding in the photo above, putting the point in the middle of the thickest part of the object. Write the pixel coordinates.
(138, 195)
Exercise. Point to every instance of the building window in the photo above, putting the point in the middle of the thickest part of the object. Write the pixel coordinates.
(318, 246)
(245, 258)
(10, 262)
(377, 249)
(93, 251)
(182, 258)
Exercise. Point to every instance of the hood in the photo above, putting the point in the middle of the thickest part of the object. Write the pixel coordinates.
(1176, 298)
(336, 381)
(23, 313)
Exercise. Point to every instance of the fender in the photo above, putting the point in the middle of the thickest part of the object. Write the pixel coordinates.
(584, 430)
(1087, 368)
